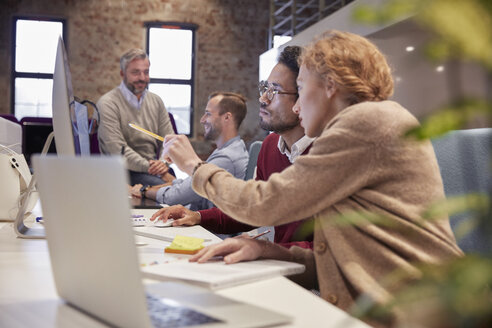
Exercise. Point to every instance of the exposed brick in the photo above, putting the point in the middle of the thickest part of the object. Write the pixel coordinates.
(231, 36)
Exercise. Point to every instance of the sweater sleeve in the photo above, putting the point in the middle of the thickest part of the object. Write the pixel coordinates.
(301, 244)
(111, 139)
(181, 191)
(217, 221)
(303, 186)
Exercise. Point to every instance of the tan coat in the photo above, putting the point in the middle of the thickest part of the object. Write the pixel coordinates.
(359, 163)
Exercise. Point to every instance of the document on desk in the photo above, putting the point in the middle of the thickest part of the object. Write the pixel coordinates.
(169, 233)
(217, 275)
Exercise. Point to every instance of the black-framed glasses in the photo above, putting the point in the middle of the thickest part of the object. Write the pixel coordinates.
(266, 88)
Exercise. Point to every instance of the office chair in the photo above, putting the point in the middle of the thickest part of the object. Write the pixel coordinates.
(254, 150)
(464, 159)
(92, 124)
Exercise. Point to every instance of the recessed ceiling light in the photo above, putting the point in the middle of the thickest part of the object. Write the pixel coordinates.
(440, 68)
(410, 48)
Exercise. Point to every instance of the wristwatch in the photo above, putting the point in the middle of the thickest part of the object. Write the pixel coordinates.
(143, 190)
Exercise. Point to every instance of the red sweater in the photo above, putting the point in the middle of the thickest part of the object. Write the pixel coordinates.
(270, 160)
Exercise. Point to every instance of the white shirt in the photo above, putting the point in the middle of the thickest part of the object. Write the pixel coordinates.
(297, 148)
(130, 96)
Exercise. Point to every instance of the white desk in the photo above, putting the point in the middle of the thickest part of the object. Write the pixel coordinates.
(28, 297)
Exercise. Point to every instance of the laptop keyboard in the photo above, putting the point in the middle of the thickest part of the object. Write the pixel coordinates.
(168, 313)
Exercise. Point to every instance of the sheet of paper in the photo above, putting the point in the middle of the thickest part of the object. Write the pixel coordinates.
(216, 274)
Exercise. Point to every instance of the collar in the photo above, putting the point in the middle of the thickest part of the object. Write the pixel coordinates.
(230, 141)
(297, 148)
(130, 97)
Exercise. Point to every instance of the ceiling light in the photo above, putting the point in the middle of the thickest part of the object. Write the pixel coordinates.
(410, 48)
(440, 68)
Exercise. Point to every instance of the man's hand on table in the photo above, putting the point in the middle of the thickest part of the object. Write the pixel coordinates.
(180, 214)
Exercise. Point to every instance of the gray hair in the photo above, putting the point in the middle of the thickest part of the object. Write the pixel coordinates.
(131, 55)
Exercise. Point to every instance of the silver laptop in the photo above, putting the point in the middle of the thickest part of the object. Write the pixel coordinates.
(94, 257)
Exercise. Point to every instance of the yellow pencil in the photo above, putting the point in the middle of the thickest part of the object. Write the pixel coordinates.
(147, 132)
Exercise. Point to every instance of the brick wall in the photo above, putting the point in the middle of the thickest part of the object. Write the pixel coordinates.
(231, 35)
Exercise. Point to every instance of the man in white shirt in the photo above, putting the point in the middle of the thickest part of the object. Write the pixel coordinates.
(131, 102)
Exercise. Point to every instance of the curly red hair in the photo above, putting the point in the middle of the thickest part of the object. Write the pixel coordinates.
(354, 63)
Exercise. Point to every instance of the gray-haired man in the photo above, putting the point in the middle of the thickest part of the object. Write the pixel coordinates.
(131, 102)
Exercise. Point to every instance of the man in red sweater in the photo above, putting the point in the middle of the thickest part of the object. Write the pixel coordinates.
(278, 151)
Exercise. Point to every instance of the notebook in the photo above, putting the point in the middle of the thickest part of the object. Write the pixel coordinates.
(218, 275)
(94, 257)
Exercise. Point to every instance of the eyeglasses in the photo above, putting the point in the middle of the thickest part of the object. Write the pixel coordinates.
(265, 88)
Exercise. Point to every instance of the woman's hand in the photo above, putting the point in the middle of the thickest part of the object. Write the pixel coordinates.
(233, 249)
(178, 149)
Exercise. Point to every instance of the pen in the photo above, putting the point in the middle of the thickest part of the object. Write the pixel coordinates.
(147, 132)
(261, 234)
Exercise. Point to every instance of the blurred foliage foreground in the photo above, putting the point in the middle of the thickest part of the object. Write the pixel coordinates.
(455, 294)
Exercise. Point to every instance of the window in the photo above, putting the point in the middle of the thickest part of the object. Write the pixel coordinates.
(33, 62)
(279, 40)
(171, 49)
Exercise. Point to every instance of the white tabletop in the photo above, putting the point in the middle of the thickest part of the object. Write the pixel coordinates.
(28, 296)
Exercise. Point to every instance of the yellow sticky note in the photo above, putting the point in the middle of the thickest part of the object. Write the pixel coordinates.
(185, 245)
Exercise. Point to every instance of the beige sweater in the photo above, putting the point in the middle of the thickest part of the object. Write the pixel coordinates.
(115, 134)
(359, 163)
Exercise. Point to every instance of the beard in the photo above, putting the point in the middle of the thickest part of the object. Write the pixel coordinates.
(132, 88)
(280, 125)
(213, 133)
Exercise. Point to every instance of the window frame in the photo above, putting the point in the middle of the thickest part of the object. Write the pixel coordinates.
(13, 73)
(191, 82)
